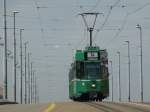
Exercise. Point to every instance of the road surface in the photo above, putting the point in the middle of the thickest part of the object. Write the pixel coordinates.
(77, 107)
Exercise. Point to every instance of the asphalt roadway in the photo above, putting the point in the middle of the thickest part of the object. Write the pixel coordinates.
(77, 107)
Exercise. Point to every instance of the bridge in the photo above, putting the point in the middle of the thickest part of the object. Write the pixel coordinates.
(37, 43)
(78, 107)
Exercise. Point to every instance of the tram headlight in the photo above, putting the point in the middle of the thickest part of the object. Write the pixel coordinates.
(83, 84)
(93, 85)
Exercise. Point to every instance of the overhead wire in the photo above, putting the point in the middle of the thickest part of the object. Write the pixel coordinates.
(96, 5)
(108, 16)
(125, 21)
(119, 30)
(41, 25)
(40, 21)
(106, 19)
(103, 24)
(85, 31)
(138, 9)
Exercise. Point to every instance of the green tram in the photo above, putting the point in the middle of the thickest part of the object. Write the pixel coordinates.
(88, 75)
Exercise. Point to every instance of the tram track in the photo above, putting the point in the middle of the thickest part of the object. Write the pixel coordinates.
(118, 107)
(102, 107)
(132, 106)
(78, 107)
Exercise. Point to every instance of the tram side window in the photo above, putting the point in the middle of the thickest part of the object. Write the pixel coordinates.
(80, 69)
(104, 71)
(72, 72)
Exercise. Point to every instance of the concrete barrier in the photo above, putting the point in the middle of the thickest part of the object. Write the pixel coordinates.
(4, 102)
(1, 92)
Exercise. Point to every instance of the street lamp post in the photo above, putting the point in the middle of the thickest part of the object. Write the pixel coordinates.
(21, 86)
(31, 83)
(25, 44)
(141, 55)
(29, 75)
(35, 89)
(5, 50)
(14, 14)
(128, 42)
(112, 79)
(119, 78)
(32, 92)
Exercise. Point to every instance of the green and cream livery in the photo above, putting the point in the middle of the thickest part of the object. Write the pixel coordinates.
(88, 76)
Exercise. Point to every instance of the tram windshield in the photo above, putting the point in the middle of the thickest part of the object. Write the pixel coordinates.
(92, 70)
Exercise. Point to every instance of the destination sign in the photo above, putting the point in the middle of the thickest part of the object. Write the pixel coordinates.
(92, 55)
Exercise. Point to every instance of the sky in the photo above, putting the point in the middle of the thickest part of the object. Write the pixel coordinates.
(55, 30)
